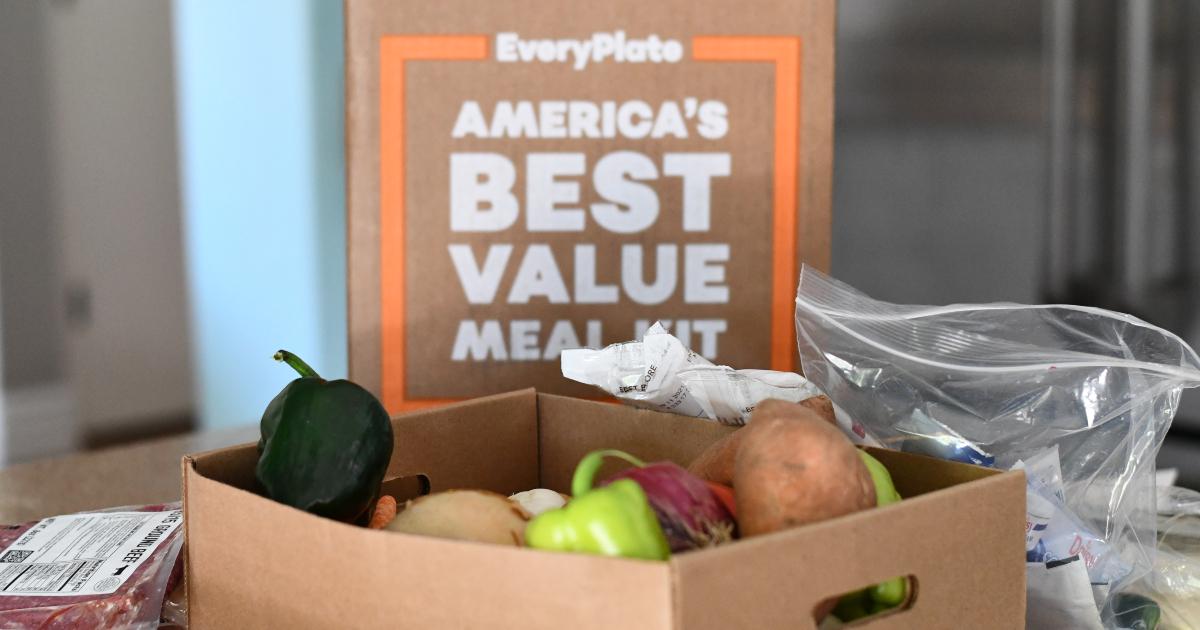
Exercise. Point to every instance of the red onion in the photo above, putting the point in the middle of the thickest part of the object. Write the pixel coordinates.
(691, 514)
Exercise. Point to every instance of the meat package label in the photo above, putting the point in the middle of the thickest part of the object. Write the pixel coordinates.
(554, 186)
(83, 554)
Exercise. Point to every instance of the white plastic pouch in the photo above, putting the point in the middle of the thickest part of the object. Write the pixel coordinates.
(999, 379)
(1060, 597)
(660, 373)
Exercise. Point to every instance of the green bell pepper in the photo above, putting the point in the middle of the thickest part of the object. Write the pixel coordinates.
(325, 446)
(885, 595)
(615, 520)
(885, 490)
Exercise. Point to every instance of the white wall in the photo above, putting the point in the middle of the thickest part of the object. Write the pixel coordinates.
(3, 415)
(39, 418)
(260, 89)
(111, 87)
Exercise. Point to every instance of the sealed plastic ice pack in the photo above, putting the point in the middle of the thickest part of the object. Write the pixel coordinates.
(661, 373)
(976, 383)
(105, 570)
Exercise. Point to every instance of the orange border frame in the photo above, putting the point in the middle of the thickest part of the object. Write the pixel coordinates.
(394, 52)
(785, 53)
(397, 50)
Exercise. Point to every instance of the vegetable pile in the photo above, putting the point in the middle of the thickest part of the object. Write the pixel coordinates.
(326, 446)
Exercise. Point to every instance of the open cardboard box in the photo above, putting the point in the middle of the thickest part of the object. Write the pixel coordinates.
(254, 563)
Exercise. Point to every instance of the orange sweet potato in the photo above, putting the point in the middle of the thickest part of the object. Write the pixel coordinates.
(793, 467)
(716, 462)
(823, 406)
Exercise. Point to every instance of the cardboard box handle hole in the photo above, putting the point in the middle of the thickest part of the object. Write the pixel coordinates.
(406, 488)
(857, 603)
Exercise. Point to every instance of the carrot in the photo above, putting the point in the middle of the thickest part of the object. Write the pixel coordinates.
(725, 495)
(385, 511)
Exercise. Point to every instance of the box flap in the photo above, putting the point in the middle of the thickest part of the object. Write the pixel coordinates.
(490, 443)
(570, 428)
(915, 475)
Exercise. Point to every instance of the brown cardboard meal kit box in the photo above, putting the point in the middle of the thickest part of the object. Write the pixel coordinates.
(529, 176)
(254, 563)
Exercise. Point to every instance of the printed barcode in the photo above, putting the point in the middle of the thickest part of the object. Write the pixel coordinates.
(16, 555)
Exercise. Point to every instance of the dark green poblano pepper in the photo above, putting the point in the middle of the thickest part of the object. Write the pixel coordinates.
(325, 446)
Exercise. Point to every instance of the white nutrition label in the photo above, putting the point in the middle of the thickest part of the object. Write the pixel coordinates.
(83, 554)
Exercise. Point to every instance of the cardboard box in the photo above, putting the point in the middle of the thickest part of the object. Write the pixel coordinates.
(530, 176)
(254, 563)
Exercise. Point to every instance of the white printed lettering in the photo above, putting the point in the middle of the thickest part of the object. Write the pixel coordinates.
(600, 46)
(470, 120)
(654, 48)
(683, 332)
(523, 336)
(709, 329)
(665, 277)
(609, 119)
(582, 51)
(713, 122)
(697, 171)
(562, 337)
(480, 285)
(482, 178)
(583, 119)
(669, 121)
(527, 49)
(543, 191)
(702, 273)
(552, 119)
(625, 122)
(672, 51)
(603, 45)
(547, 51)
(635, 51)
(507, 121)
(506, 46)
(586, 289)
(479, 342)
(640, 200)
(539, 276)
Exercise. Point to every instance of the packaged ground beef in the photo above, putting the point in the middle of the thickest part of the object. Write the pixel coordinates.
(106, 570)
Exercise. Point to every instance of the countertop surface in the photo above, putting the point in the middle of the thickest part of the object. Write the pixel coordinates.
(147, 472)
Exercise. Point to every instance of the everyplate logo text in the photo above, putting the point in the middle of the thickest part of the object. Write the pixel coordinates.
(615, 46)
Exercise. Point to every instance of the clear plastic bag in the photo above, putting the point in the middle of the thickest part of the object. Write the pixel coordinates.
(121, 561)
(981, 382)
(1175, 582)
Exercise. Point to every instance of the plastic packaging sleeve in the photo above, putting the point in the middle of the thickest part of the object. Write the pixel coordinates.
(660, 373)
(136, 605)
